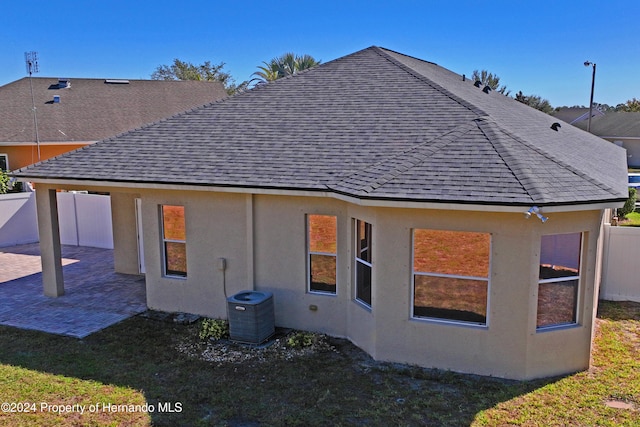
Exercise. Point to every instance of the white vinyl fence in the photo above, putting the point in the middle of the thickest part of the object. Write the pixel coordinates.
(85, 219)
(621, 264)
(18, 220)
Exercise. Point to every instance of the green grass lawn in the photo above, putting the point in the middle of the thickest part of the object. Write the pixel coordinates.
(138, 362)
(631, 220)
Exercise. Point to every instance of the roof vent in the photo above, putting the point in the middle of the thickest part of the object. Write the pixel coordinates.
(478, 83)
(56, 99)
(486, 89)
(117, 81)
(555, 126)
(464, 77)
(64, 83)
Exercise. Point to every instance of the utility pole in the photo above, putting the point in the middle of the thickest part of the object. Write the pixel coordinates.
(593, 83)
(31, 61)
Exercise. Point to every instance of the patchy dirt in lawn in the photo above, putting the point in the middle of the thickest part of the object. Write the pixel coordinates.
(224, 351)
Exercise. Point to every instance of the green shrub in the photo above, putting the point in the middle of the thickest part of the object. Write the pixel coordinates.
(629, 205)
(301, 340)
(4, 182)
(214, 329)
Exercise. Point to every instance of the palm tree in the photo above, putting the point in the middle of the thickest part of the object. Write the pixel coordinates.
(269, 72)
(306, 61)
(285, 65)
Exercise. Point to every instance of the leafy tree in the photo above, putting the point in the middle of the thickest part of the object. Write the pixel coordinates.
(4, 182)
(631, 106)
(491, 80)
(285, 65)
(180, 70)
(535, 101)
(629, 205)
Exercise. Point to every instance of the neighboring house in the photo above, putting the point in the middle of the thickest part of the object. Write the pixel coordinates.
(380, 198)
(573, 115)
(622, 129)
(72, 113)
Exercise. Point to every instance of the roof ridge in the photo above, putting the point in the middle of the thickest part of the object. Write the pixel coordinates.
(383, 52)
(485, 124)
(391, 167)
(488, 127)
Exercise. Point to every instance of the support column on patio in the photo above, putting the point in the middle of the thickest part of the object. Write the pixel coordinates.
(125, 233)
(50, 249)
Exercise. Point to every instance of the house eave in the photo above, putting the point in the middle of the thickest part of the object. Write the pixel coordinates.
(398, 202)
(34, 144)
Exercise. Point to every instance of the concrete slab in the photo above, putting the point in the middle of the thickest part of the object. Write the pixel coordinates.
(95, 295)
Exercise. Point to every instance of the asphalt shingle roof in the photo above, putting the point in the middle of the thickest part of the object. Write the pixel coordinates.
(615, 124)
(375, 124)
(93, 109)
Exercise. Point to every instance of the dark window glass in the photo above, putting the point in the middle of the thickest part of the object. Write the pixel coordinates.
(363, 262)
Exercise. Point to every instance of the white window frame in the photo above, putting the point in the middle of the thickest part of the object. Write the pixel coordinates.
(414, 273)
(164, 241)
(576, 300)
(358, 260)
(310, 253)
(6, 161)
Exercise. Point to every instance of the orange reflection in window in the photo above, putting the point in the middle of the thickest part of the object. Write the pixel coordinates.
(458, 253)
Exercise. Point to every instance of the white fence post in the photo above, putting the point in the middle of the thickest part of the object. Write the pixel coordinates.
(93, 216)
(67, 219)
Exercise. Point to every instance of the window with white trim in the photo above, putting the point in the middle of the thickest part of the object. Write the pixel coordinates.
(451, 275)
(559, 280)
(363, 261)
(174, 240)
(322, 253)
(4, 162)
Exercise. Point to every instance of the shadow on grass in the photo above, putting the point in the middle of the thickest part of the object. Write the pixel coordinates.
(341, 386)
(618, 310)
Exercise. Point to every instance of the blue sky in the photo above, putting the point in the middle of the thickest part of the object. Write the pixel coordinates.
(538, 47)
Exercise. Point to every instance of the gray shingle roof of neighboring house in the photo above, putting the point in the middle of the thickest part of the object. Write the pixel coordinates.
(615, 125)
(93, 109)
(573, 115)
(375, 124)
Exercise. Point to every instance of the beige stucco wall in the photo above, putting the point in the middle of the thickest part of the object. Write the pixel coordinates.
(125, 233)
(216, 227)
(632, 145)
(509, 346)
(263, 240)
(554, 352)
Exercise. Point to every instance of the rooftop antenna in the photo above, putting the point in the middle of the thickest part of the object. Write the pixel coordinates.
(31, 61)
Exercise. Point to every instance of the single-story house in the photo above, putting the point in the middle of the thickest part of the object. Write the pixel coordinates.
(621, 128)
(71, 113)
(573, 115)
(379, 197)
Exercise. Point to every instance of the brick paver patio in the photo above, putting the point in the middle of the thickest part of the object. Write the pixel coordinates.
(95, 296)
